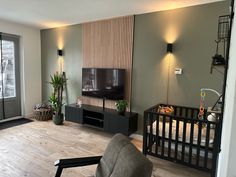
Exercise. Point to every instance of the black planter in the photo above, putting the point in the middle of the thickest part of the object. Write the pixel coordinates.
(121, 112)
(58, 119)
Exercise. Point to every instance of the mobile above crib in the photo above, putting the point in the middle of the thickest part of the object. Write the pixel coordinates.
(215, 107)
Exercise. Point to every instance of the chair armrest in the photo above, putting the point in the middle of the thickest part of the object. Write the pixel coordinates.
(77, 162)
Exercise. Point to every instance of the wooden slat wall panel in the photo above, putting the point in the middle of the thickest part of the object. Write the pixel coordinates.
(109, 44)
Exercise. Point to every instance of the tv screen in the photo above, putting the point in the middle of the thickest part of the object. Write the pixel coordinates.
(103, 83)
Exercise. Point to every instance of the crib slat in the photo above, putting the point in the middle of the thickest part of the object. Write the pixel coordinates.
(186, 112)
(205, 113)
(157, 134)
(191, 137)
(145, 133)
(190, 112)
(176, 138)
(163, 135)
(150, 142)
(216, 144)
(184, 140)
(175, 110)
(208, 128)
(180, 112)
(170, 137)
(199, 139)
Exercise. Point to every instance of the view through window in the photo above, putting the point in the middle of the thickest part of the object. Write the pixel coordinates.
(7, 70)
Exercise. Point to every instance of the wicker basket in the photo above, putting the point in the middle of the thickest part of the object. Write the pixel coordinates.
(43, 114)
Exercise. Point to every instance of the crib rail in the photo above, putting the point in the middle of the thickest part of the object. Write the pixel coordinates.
(181, 137)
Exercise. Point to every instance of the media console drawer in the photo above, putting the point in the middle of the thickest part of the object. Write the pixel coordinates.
(73, 114)
(106, 119)
(116, 123)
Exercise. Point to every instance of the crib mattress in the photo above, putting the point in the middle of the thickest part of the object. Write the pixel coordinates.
(180, 134)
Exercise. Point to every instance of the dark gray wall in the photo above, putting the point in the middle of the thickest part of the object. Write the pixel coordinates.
(70, 39)
(192, 30)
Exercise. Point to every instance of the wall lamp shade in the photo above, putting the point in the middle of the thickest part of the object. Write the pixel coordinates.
(60, 52)
(169, 48)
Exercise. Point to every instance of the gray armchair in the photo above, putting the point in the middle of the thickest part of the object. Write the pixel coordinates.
(121, 159)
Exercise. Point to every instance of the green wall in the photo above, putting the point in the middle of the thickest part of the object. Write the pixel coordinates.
(70, 39)
(192, 30)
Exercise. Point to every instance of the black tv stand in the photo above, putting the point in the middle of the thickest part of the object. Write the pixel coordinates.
(93, 118)
(103, 118)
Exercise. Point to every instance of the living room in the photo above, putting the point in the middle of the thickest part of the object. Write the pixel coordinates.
(168, 55)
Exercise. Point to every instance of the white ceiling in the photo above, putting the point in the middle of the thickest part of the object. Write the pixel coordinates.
(55, 13)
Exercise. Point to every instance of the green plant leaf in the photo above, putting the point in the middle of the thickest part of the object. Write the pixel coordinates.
(57, 81)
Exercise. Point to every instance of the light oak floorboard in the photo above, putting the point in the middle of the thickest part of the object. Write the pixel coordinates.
(30, 150)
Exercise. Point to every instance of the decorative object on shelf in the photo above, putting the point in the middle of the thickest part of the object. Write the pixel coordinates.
(58, 82)
(223, 27)
(218, 60)
(223, 35)
(42, 112)
(79, 102)
(121, 106)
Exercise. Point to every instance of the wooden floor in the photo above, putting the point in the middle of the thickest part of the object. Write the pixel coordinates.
(29, 150)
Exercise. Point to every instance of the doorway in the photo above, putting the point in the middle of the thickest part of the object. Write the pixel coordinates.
(10, 100)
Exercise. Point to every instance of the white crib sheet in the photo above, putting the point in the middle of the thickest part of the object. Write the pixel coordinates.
(180, 135)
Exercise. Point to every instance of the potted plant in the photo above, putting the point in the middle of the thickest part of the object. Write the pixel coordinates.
(57, 81)
(121, 106)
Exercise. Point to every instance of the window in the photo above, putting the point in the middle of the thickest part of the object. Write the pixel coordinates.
(7, 70)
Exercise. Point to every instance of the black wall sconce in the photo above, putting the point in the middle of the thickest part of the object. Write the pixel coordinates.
(60, 52)
(169, 48)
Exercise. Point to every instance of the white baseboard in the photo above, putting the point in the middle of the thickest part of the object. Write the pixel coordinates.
(29, 116)
(12, 118)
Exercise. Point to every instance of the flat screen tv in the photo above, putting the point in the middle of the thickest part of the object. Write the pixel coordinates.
(103, 83)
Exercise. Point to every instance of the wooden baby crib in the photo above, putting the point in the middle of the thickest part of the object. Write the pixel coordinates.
(181, 137)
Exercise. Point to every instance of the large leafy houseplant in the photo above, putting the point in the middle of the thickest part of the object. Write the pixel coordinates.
(58, 82)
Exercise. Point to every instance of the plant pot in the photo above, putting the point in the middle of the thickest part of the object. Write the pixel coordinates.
(121, 111)
(58, 119)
